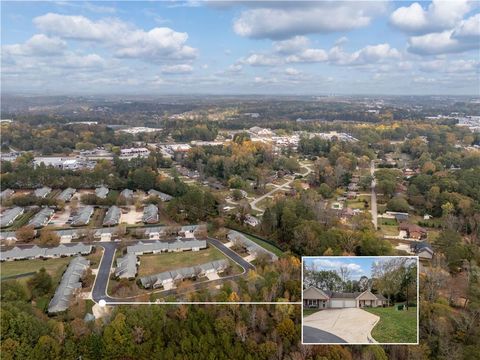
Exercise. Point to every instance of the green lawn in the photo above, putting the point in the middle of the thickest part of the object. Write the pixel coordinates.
(395, 326)
(307, 312)
(157, 263)
(265, 245)
(53, 266)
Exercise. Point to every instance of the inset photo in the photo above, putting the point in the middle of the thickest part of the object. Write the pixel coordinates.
(360, 300)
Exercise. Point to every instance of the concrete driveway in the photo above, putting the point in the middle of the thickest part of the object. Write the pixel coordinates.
(353, 325)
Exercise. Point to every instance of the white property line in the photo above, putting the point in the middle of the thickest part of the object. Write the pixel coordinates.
(104, 303)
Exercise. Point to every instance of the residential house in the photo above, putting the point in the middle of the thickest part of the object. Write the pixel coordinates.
(36, 252)
(66, 195)
(168, 278)
(10, 215)
(150, 214)
(112, 217)
(252, 247)
(5, 194)
(101, 192)
(41, 218)
(69, 284)
(423, 250)
(157, 247)
(83, 216)
(251, 220)
(42, 192)
(413, 231)
(324, 299)
(126, 266)
(127, 194)
(159, 194)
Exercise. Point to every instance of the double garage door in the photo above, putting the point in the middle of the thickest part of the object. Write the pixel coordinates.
(343, 303)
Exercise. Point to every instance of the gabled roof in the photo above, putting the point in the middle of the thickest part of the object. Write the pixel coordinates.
(42, 192)
(42, 217)
(380, 297)
(316, 290)
(69, 283)
(101, 192)
(112, 217)
(66, 194)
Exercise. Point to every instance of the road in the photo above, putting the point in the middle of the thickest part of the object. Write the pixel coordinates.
(100, 286)
(373, 205)
(316, 336)
(253, 204)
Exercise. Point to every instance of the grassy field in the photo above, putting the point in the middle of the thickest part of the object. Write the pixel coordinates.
(55, 267)
(97, 217)
(157, 263)
(265, 245)
(395, 326)
(307, 312)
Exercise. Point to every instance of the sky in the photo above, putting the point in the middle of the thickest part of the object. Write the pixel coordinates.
(358, 266)
(241, 47)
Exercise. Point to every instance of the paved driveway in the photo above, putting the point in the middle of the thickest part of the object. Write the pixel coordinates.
(353, 325)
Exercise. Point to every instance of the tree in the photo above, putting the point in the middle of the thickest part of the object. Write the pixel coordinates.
(25, 233)
(398, 203)
(47, 348)
(49, 237)
(41, 283)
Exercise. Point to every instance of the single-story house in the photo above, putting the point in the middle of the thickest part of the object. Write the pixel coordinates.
(41, 218)
(423, 250)
(150, 214)
(10, 215)
(413, 231)
(324, 299)
(69, 284)
(66, 194)
(42, 192)
(82, 216)
(101, 192)
(112, 217)
(159, 194)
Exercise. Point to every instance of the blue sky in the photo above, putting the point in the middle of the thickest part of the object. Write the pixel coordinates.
(241, 47)
(358, 266)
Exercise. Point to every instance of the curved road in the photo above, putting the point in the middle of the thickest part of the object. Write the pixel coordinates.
(100, 285)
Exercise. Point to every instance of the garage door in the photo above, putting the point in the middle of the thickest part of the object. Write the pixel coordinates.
(343, 303)
(350, 303)
(337, 304)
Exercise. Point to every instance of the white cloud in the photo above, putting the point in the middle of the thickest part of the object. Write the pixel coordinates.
(438, 16)
(368, 55)
(439, 43)
(37, 45)
(324, 264)
(285, 20)
(292, 45)
(177, 69)
(468, 29)
(157, 44)
(292, 71)
(260, 60)
(308, 56)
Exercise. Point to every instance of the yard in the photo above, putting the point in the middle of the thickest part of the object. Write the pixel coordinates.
(307, 312)
(157, 263)
(395, 326)
(53, 266)
(265, 245)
